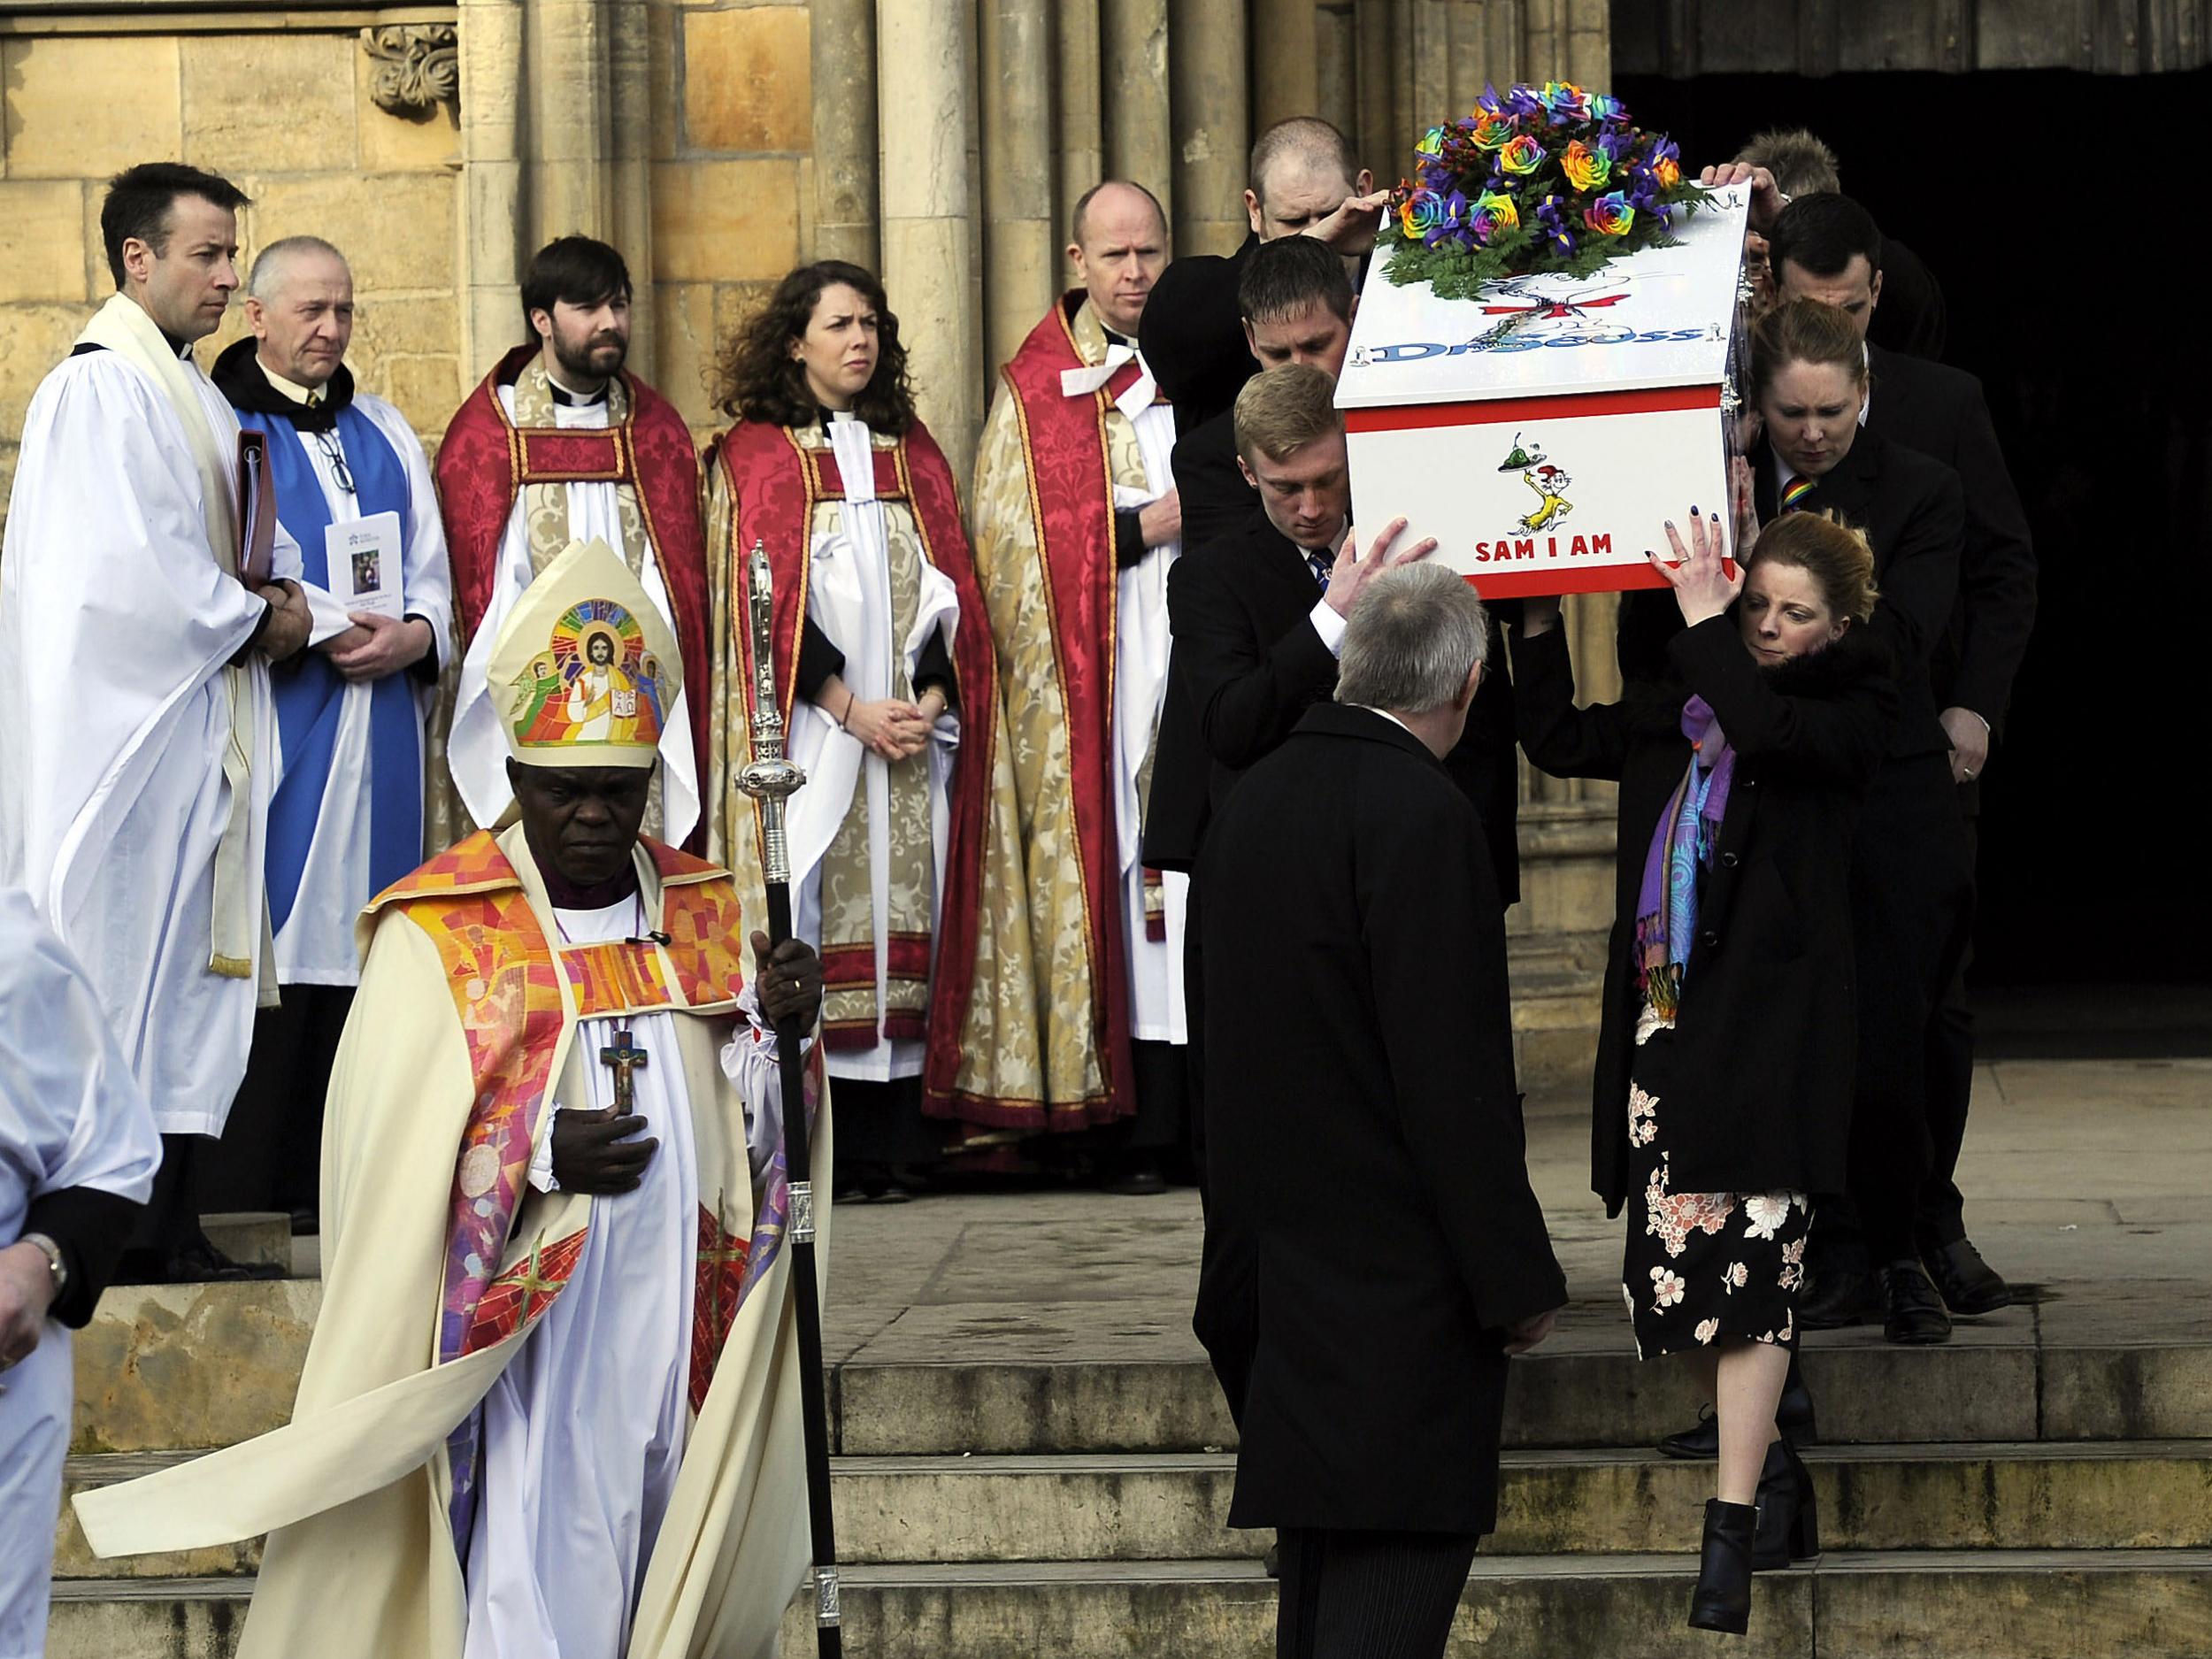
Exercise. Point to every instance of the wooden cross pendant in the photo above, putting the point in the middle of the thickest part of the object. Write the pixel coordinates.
(622, 1057)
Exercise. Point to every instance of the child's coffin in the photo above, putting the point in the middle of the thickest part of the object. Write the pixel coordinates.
(1545, 429)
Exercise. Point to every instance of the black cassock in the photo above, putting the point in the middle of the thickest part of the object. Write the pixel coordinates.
(1370, 1229)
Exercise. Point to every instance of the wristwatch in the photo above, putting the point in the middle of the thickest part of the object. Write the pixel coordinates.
(56, 1265)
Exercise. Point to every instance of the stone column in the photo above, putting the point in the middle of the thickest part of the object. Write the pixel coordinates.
(627, 171)
(1021, 241)
(491, 181)
(928, 263)
(842, 43)
(1133, 61)
(1081, 138)
(1210, 114)
(1284, 51)
(571, 129)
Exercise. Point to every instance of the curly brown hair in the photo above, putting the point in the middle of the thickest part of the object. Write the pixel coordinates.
(757, 378)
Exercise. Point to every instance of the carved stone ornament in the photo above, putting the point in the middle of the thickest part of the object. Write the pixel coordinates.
(418, 65)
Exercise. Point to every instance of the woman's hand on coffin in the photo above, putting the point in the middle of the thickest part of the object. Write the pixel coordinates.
(1704, 583)
(592, 1153)
(26, 1288)
(788, 980)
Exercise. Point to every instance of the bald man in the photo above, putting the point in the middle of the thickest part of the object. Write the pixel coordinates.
(1076, 524)
(346, 820)
(1304, 182)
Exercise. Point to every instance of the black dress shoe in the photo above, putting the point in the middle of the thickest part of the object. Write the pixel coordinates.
(1912, 1311)
(199, 1263)
(1722, 1600)
(1271, 1562)
(1838, 1299)
(1134, 1176)
(1789, 1519)
(305, 1224)
(1968, 1283)
(1792, 1414)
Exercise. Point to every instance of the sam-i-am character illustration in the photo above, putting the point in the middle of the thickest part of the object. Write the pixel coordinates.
(1550, 483)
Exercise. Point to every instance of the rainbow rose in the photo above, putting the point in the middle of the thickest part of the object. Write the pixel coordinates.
(1432, 145)
(1492, 216)
(1492, 129)
(1420, 213)
(1563, 101)
(1586, 168)
(1608, 110)
(1665, 162)
(1611, 215)
(1522, 156)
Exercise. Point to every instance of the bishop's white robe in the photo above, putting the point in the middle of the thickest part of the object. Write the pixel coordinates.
(605, 1494)
(128, 740)
(70, 1115)
(477, 749)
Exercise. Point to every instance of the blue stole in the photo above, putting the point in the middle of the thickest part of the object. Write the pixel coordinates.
(309, 693)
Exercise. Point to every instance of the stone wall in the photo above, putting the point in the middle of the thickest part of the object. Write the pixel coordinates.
(282, 107)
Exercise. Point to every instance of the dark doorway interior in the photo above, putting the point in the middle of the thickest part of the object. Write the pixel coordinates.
(2040, 200)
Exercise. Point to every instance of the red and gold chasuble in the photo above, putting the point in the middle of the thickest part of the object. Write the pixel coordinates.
(485, 460)
(1072, 505)
(775, 483)
(515, 992)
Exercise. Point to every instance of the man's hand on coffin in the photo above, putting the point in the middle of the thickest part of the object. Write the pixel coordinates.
(290, 621)
(1348, 577)
(1766, 195)
(1745, 504)
(1704, 585)
(1351, 228)
(592, 1153)
(26, 1288)
(788, 980)
(378, 646)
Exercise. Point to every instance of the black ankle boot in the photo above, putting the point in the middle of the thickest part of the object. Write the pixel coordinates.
(1789, 1518)
(1723, 1598)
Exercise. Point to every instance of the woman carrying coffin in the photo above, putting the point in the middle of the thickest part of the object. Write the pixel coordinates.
(904, 867)
(1725, 1057)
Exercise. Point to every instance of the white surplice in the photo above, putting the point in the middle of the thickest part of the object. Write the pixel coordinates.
(477, 749)
(1141, 655)
(849, 598)
(70, 1115)
(584, 1432)
(315, 946)
(116, 625)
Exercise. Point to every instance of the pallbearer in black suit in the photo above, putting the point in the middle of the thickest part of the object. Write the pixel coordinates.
(1723, 1093)
(1366, 1152)
(1828, 247)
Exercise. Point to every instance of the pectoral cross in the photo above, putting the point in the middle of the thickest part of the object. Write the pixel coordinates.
(622, 1057)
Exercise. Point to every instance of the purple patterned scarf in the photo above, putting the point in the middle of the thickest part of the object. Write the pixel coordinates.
(1681, 846)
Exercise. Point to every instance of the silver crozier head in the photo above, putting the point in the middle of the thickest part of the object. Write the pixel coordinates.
(769, 777)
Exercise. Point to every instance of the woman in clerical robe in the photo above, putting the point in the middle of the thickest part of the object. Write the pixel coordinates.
(904, 856)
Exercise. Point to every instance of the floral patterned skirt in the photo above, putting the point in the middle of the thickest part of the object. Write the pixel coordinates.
(1701, 1267)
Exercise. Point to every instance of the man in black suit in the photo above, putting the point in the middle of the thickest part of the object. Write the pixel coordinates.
(1374, 1249)
(1827, 247)
(1304, 182)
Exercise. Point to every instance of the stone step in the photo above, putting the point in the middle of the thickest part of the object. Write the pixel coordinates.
(258, 1237)
(165, 1367)
(1174, 1506)
(1999, 1604)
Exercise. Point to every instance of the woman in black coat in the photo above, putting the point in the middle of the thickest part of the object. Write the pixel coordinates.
(1725, 1053)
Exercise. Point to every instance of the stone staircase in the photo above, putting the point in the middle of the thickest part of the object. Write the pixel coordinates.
(2001, 1498)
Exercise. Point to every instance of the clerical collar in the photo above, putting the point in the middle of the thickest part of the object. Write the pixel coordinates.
(575, 400)
(240, 375)
(830, 417)
(1113, 339)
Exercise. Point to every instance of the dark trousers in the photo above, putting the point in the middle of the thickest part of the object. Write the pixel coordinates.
(270, 1154)
(880, 1126)
(1940, 1217)
(171, 1219)
(1162, 1122)
(1910, 886)
(1369, 1595)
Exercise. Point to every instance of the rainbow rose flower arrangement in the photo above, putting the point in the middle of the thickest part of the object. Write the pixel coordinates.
(1541, 178)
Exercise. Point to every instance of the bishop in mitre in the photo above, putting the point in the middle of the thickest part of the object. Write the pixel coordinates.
(552, 1402)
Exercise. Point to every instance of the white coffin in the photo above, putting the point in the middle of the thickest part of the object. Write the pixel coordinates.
(1615, 383)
